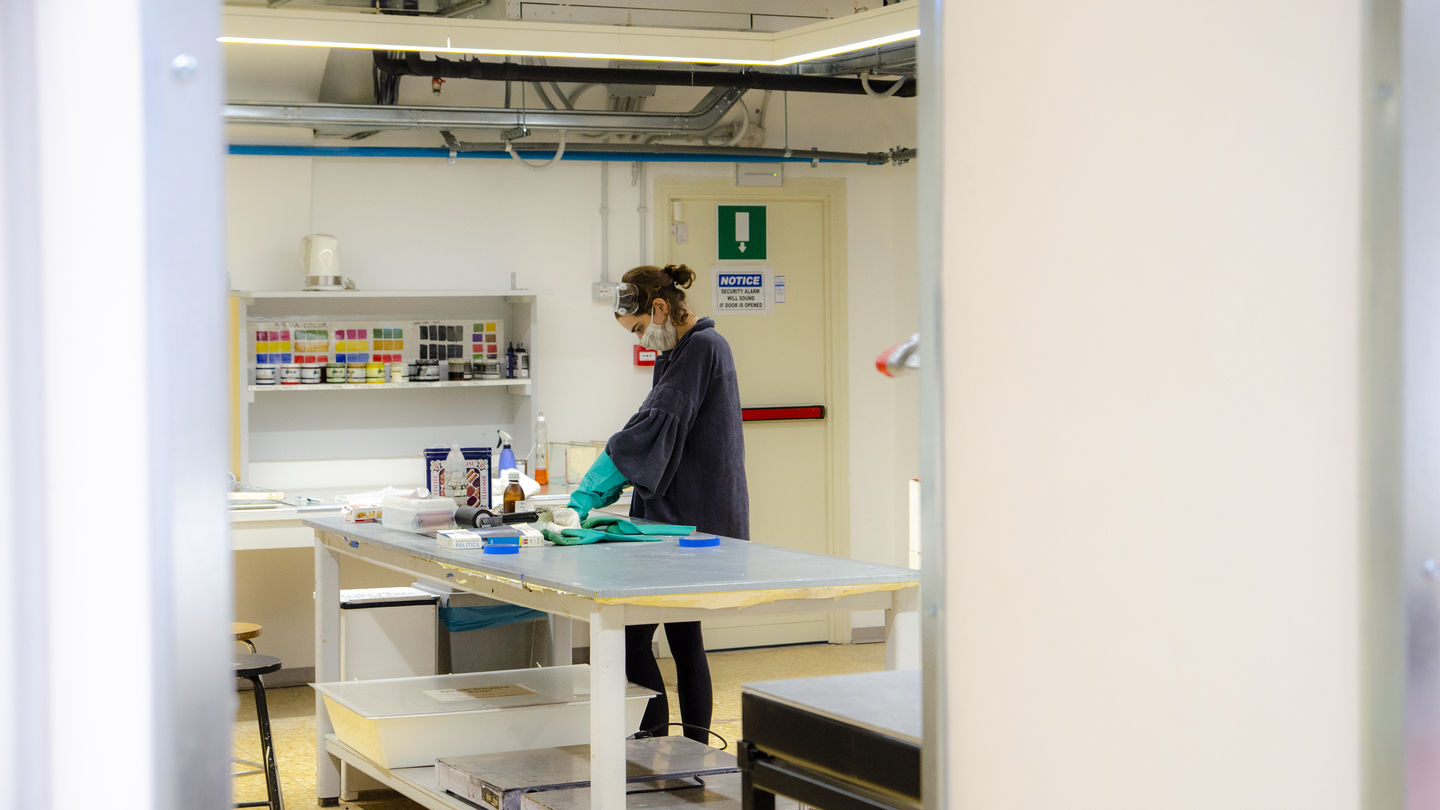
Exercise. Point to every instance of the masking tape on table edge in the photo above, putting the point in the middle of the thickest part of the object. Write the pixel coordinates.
(743, 599)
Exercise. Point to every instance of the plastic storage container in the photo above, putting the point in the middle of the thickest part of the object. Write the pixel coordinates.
(413, 512)
(409, 722)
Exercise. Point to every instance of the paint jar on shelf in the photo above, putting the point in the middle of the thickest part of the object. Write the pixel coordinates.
(265, 375)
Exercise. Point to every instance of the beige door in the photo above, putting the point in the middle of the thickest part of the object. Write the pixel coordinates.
(788, 356)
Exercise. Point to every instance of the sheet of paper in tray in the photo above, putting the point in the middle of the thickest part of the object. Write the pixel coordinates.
(500, 781)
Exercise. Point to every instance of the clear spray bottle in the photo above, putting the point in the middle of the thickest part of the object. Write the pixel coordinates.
(542, 450)
(452, 475)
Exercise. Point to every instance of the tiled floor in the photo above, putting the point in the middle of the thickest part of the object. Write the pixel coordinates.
(292, 713)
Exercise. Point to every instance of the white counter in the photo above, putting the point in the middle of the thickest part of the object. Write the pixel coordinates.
(280, 527)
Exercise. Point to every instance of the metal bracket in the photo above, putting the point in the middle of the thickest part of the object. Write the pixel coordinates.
(515, 134)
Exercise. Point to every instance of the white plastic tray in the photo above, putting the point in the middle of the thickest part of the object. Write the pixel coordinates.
(410, 722)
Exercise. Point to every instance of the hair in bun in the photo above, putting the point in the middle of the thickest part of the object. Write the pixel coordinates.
(665, 283)
(680, 275)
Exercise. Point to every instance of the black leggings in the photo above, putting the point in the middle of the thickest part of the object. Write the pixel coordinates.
(692, 675)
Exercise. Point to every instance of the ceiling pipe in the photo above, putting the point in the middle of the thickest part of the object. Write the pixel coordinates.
(652, 153)
(707, 113)
(461, 8)
(410, 64)
(897, 155)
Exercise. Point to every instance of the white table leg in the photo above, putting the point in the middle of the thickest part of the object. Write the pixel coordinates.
(902, 630)
(562, 640)
(607, 707)
(327, 667)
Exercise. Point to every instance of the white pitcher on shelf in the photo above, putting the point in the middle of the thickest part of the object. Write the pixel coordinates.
(320, 260)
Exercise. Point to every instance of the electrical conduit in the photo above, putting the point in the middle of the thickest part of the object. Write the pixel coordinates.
(652, 153)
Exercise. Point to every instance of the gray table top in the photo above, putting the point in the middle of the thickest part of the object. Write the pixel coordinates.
(886, 702)
(638, 569)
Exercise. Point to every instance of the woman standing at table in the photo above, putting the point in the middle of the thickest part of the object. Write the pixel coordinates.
(684, 452)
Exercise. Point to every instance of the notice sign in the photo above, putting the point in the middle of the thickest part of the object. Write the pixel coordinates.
(741, 232)
(741, 290)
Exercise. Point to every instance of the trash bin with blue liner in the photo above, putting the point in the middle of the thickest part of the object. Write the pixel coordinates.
(483, 635)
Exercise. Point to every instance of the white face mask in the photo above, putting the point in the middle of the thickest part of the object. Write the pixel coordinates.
(659, 335)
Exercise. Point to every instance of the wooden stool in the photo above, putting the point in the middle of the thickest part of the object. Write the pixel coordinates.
(244, 631)
(251, 667)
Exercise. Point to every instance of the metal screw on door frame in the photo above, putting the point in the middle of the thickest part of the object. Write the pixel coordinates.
(183, 67)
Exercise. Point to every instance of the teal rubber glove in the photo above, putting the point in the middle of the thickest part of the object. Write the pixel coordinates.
(600, 487)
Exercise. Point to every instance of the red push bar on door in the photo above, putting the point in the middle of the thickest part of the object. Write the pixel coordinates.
(783, 414)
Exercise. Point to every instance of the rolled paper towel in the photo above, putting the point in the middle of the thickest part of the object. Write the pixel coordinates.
(528, 485)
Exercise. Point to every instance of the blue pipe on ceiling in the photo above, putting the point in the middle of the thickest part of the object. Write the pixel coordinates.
(570, 154)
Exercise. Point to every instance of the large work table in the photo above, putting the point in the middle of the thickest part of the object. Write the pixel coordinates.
(609, 585)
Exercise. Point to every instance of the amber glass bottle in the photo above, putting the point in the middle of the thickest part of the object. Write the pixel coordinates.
(513, 493)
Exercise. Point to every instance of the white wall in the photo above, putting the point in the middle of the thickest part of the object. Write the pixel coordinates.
(429, 224)
(1152, 307)
(884, 434)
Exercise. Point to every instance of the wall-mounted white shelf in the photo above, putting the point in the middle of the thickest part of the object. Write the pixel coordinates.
(342, 295)
(390, 386)
(297, 424)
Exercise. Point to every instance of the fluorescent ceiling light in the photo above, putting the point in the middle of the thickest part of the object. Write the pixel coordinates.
(364, 31)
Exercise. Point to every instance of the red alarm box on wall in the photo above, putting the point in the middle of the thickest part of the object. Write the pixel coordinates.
(644, 356)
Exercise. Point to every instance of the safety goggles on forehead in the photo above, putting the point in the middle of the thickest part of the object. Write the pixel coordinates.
(627, 299)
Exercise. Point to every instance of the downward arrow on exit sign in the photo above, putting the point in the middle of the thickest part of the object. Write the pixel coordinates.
(741, 231)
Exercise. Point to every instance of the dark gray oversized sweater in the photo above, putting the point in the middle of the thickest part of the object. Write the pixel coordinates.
(684, 450)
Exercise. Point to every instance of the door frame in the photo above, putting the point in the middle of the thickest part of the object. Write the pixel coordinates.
(830, 194)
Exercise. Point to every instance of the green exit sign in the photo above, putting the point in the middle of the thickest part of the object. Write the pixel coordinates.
(742, 231)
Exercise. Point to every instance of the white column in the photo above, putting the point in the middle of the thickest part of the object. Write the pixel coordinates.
(1419, 93)
(902, 630)
(327, 663)
(1157, 380)
(562, 640)
(607, 707)
(113, 408)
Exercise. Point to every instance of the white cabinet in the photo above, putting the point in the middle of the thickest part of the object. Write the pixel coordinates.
(350, 426)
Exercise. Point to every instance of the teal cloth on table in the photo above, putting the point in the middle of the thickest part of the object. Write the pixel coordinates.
(615, 530)
(616, 525)
(601, 486)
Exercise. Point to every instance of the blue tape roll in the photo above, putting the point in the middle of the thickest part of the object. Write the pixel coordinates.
(699, 542)
(501, 549)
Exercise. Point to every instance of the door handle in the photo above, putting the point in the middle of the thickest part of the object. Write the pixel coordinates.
(900, 358)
